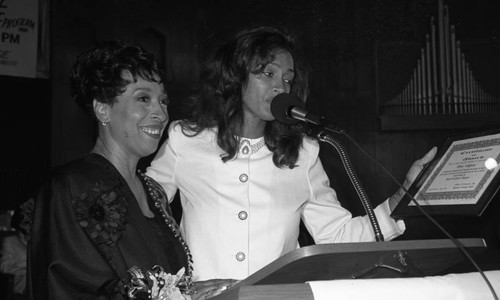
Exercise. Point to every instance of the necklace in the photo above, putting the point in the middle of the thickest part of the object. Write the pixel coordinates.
(247, 149)
(158, 196)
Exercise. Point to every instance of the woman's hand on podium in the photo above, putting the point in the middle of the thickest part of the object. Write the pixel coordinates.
(210, 288)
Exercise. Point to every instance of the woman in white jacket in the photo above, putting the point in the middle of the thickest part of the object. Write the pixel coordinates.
(245, 179)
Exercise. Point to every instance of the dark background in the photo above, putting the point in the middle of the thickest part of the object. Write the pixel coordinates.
(345, 43)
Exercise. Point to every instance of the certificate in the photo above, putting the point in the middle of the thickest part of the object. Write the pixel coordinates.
(462, 178)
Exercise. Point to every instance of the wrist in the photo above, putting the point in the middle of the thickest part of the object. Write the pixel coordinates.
(396, 198)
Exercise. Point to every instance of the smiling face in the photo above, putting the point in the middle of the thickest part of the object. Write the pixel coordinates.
(261, 88)
(138, 116)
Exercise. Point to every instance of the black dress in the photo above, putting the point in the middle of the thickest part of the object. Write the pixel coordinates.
(88, 230)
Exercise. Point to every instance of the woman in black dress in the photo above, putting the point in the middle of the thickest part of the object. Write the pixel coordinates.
(100, 228)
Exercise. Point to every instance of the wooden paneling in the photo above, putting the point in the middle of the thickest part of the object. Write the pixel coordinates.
(163, 30)
(25, 137)
(338, 41)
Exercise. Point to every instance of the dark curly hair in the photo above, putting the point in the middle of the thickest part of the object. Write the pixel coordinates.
(218, 99)
(97, 72)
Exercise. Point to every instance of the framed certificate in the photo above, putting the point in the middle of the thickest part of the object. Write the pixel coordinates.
(461, 179)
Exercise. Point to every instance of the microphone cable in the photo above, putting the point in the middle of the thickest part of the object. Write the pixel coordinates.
(358, 187)
(457, 243)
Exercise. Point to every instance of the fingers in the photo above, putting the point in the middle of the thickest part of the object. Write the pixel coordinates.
(418, 166)
(215, 282)
(218, 290)
(210, 288)
(205, 292)
(429, 156)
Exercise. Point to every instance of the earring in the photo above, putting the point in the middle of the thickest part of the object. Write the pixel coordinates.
(104, 123)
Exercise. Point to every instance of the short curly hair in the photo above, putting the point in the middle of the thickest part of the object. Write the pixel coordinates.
(97, 72)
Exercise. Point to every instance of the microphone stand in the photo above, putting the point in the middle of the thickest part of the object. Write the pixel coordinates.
(324, 136)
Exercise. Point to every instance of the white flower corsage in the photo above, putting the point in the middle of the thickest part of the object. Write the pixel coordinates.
(156, 284)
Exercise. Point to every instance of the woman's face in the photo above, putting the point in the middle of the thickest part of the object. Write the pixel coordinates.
(261, 88)
(138, 116)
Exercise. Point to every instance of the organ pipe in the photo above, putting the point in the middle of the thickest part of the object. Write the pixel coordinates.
(442, 81)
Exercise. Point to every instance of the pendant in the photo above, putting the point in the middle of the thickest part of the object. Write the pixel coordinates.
(245, 148)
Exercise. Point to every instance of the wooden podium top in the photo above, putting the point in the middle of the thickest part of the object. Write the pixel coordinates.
(286, 275)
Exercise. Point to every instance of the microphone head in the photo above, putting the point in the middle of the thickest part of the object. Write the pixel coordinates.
(281, 107)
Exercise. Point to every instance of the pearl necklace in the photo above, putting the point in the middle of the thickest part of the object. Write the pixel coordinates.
(157, 194)
(247, 149)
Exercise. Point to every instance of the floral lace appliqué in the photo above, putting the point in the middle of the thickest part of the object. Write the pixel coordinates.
(101, 213)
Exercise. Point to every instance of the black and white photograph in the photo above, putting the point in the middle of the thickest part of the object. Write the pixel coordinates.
(250, 149)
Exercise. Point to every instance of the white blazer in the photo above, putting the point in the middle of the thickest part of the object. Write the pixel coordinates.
(241, 215)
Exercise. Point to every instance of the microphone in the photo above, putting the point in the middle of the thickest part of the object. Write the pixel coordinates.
(289, 110)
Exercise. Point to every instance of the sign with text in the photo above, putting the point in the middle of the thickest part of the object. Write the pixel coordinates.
(462, 179)
(18, 37)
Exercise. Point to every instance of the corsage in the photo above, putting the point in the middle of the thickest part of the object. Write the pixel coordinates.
(156, 284)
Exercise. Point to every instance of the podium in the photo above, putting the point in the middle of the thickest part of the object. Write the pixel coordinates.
(285, 277)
